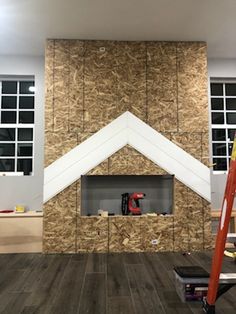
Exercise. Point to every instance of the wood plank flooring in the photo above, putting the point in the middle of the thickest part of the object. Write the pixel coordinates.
(138, 283)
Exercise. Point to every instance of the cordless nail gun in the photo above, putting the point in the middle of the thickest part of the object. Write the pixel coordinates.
(130, 203)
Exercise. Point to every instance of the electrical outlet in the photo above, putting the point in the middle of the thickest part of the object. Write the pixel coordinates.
(102, 49)
(154, 241)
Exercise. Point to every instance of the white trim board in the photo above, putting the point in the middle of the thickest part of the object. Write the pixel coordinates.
(126, 129)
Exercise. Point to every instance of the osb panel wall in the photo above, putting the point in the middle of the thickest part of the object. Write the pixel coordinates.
(90, 83)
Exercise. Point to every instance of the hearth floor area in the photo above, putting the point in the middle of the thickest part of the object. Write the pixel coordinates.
(101, 283)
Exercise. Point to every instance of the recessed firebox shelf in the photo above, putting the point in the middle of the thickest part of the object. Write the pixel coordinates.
(104, 192)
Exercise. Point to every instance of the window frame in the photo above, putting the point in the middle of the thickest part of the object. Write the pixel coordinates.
(225, 126)
(16, 126)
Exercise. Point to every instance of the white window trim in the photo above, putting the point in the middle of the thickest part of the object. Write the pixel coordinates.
(224, 126)
(17, 125)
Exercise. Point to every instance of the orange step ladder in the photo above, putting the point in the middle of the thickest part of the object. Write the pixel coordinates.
(214, 289)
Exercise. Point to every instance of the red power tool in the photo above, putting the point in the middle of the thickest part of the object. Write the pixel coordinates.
(130, 203)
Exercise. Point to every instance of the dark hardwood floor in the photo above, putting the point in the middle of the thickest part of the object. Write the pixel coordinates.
(100, 283)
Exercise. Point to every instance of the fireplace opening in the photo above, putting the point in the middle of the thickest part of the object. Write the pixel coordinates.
(104, 192)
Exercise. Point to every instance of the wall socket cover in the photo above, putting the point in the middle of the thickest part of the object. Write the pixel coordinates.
(102, 49)
(154, 241)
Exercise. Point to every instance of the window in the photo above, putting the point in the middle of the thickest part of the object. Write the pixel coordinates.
(17, 97)
(223, 122)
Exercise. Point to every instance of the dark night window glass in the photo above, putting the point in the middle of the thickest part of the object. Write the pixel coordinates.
(25, 150)
(230, 146)
(220, 163)
(7, 149)
(216, 89)
(218, 135)
(9, 87)
(9, 102)
(230, 103)
(217, 118)
(24, 165)
(217, 104)
(230, 89)
(7, 134)
(8, 117)
(26, 102)
(219, 149)
(7, 165)
(25, 87)
(231, 133)
(26, 117)
(25, 134)
(231, 118)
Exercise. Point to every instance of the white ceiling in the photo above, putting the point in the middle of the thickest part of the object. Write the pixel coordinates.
(25, 24)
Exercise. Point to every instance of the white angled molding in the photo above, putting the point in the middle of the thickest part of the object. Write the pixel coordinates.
(126, 129)
(85, 148)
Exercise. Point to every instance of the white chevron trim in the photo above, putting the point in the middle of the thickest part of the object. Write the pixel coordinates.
(126, 129)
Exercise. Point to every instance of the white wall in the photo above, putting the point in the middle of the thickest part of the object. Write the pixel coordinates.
(219, 68)
(27, 190)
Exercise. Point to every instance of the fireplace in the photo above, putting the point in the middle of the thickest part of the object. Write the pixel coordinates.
(104, 192)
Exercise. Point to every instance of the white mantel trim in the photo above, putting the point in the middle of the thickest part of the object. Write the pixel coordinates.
(126, 129)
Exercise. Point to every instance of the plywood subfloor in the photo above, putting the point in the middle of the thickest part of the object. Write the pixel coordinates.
(100, 283)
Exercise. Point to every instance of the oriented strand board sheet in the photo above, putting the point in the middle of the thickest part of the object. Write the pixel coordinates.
(125, 234)
(180, 199)
(58, 144)
(191, 142)
(61, 86)
(192, 87)
(76, 85)
(162, 106)
(205, 159)
(49, 84)
(162, 54)
(157, 233)
(92, 234)
(100, 80)
(181, 232)
(131, 78)
(129, 161)
(209, 239)
(60, 222)
(196, 229)
(101, 169)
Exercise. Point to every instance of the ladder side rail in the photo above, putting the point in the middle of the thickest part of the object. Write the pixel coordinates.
(222, 230)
